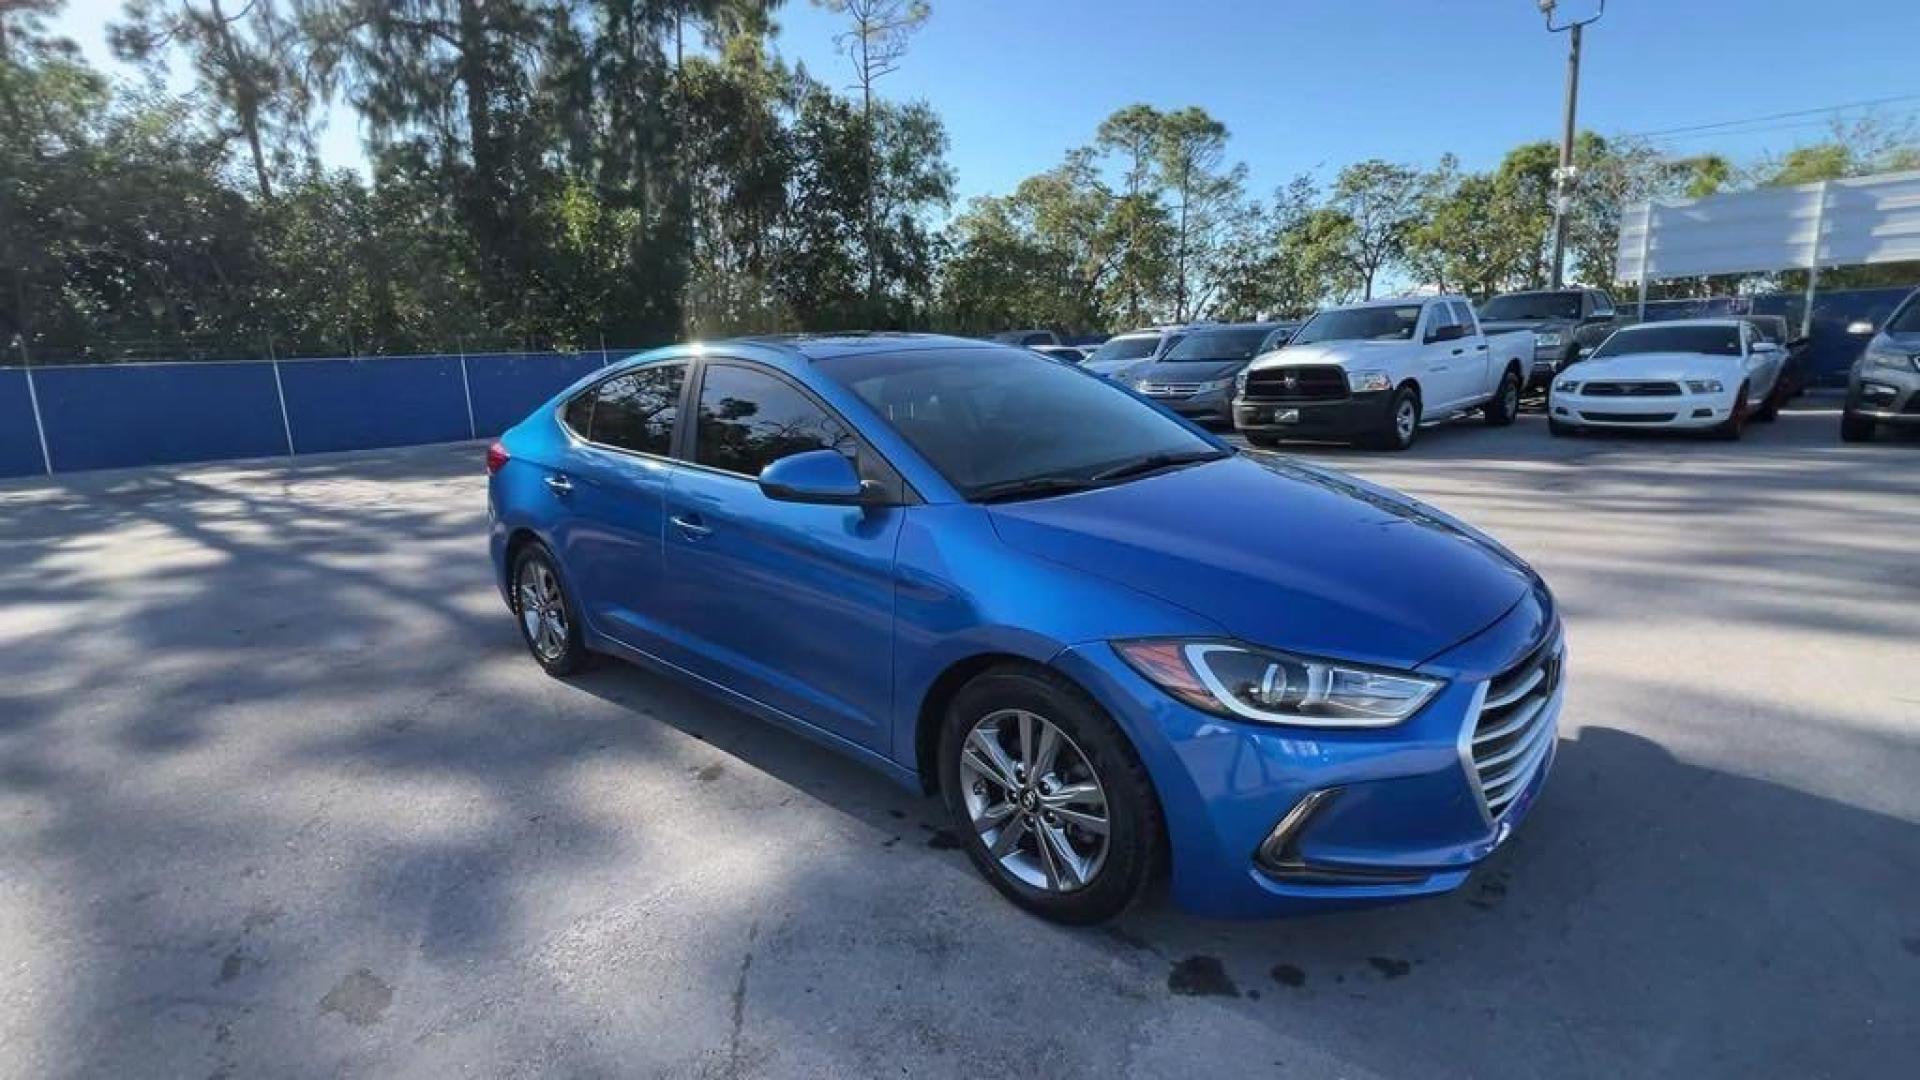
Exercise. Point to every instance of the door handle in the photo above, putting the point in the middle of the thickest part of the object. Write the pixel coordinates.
(1482, 347)
(559, 485)
(1457, 352)
(690, 526)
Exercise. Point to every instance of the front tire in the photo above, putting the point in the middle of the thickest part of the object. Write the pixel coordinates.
(1505, 405)
(1051, 803)
(1401, 424)
(1857, 428)
(549, 620)
(1729, 430)
(1769, 410)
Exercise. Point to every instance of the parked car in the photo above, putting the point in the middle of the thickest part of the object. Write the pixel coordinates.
(1069, 353)
(1120, 354)
(1374, 372)
(1028, 338)
(1195, 377)
(1562, 322)
(1108, 656)
(1698, 374)
(1883, 386)
(1793, 367)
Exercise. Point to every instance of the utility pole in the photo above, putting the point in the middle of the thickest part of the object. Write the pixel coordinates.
(1565, 175)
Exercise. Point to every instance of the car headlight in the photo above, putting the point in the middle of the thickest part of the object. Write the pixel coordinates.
(1896, 361)
(1240, 382)
(1365, 382)
(1548, 341)
(1567, 386)
(1230, 679)
(1218, 384)
(1704, 386)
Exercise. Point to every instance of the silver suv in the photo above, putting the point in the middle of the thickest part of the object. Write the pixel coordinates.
(1884, 386)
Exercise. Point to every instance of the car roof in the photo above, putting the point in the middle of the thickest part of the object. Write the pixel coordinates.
(823, 346)
(1733, 322)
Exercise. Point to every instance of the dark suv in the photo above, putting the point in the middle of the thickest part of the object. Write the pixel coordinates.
(1884, 385)
(1563, 322)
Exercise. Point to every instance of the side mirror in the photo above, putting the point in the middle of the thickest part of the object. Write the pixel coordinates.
(1765, 347)
(822, 477)
(1447, 333)
(1860, 326)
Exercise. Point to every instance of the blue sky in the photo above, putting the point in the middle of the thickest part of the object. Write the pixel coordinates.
(1310, 85)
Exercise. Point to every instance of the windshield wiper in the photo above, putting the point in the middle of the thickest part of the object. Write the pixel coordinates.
(1156, 462)
(1031, 487)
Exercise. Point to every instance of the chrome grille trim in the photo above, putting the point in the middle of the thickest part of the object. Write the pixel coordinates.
(1512, 731)
(1169, 388)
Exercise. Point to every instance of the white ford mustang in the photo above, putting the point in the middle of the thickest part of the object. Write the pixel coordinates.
(1710, 374)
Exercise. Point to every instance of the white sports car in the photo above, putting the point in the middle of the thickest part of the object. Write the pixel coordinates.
(1702, 374)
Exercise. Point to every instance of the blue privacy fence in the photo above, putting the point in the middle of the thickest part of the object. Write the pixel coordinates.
(108, 416)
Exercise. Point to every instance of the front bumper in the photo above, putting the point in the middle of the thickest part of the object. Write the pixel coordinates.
(1890, 397)
(1207, 404)
(1406, 819)
(1673, 412)
(1356, 414)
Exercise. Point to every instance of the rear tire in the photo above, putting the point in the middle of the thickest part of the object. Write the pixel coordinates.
(1729, 430)
(549, 620)
(1857, 428)
(1505, 405)
(1401, 424)
(1097, 877)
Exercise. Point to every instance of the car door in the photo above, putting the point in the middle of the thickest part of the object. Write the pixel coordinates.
(1479, 369)
(1763, 362)
(1441, 358)
(790, 604)
(615, 489)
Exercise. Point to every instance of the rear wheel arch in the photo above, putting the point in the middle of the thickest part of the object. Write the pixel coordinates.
(517, 542)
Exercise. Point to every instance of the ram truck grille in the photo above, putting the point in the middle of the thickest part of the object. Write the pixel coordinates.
(1319, 383)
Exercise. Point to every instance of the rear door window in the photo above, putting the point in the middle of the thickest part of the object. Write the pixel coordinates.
(1463, 315)
(636, 411)
(749, 419)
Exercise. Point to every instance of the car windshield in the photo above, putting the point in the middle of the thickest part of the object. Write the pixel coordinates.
(1907, 319)
(994, 420)
(1227, 343)
(1711, 340)
(1528, 306)
(1381, 322)
(1117, 349)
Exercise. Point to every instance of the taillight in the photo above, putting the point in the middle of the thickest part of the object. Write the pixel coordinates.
(497, 458)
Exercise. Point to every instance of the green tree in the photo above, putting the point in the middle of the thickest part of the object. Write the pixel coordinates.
(1383, 202)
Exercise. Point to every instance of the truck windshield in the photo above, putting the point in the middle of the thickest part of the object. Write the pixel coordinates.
(1234, 343)
(1380, 323)
(1711, 340)
(1530, 306)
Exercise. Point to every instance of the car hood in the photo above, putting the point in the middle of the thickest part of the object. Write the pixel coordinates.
(1538, 326)
(1661, 366)
(1186, 371)
(1285, 555)
(1331, 352)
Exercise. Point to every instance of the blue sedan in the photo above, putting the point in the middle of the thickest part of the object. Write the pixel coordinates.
(1114, 646)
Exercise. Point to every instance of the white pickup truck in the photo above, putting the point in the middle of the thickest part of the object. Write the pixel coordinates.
(1374, 372)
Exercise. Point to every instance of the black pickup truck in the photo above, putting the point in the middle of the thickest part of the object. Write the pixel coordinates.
(1563, 322)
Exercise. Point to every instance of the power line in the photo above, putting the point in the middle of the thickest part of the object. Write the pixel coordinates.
(1762, 129)
(1773, 116)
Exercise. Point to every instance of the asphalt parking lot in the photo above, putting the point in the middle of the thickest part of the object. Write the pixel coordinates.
(281, 794)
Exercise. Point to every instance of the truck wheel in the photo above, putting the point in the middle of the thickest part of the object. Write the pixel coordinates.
(1856, 428)
(1401, 424)
(1506, 401)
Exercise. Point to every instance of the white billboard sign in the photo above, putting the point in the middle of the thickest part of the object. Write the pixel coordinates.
(1855, 222)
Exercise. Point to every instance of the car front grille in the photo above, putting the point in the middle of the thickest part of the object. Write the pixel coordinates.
(1630, 389)
(1169, 389)
(1515, 730)
(1318, 383)
(1626, 417)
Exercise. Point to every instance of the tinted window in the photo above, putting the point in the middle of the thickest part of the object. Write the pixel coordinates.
(1125, 348)
(636, 411)
(1712, 340)
(985, 417)
(1438, 317)
(1038, 339)
(1603, 305)
(1236, 343)
(1463, 315)
(579, 413)
(1381, 323)
(749, 419)
(1768, 329)
(1532, 305)
(1907, 319)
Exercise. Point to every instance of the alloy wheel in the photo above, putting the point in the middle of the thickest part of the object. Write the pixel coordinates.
(1405, 418)
(1034, 798)
(543, 613)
